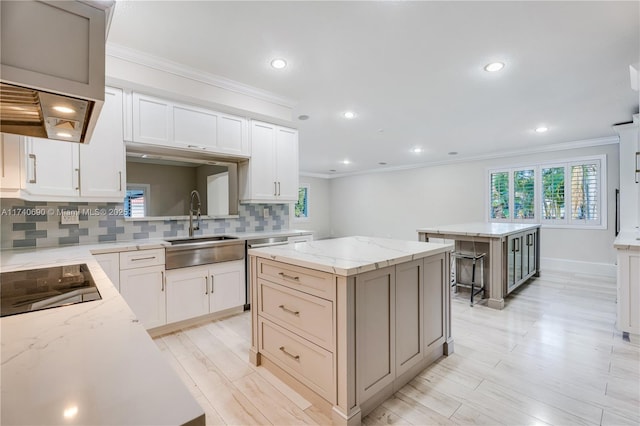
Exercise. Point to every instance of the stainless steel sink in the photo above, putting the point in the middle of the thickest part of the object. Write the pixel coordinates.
(195, 240)
(195, 251)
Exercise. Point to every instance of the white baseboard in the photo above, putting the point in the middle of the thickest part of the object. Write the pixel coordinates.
(576, 266)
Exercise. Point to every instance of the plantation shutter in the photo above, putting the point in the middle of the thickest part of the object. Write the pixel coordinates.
(524, 194)
(585, 192)
(500, 195)
(553, 201)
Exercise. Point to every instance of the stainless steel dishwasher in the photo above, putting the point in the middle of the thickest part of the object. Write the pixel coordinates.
(258, 243)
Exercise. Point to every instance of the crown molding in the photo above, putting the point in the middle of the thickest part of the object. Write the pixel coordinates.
(162, 64)
(587, 143)
(316, 175)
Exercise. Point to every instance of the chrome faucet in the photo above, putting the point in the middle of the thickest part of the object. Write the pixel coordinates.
(192, 211)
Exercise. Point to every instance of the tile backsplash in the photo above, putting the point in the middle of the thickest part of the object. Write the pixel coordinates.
(38, 224)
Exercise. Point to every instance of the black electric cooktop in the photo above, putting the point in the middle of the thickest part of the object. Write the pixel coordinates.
(44, 288)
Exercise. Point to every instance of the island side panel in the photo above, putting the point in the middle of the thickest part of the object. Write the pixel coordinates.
(498, 273)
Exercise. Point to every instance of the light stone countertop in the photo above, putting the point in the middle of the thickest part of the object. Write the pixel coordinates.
(350, 255)
(480, 229)
(627, 240)
(93, 356)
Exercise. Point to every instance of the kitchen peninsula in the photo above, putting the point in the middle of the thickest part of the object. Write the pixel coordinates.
(512, 252)
(348, 321)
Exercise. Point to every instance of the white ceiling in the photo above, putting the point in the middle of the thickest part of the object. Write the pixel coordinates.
(412, 71)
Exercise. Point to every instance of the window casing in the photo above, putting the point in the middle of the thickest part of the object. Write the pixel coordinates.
(571, 193)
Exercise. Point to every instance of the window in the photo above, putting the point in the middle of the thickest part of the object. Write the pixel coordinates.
(136, 200)
(500, 195)
(570, 193)
(301, 207)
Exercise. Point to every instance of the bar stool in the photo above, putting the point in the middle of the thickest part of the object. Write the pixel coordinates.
(473, 257)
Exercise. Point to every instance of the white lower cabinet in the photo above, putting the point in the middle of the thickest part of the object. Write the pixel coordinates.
(142, 285)
(200, 290)
(143, 289)
(628, 320)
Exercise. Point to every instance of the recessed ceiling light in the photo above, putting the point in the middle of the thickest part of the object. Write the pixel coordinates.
(541, 129)
(303, 117)
(349, 115)
(346, 162)
(279, 63)
(453, 153)
(64, 109)
(382, 163)
(416, 150)
(63, 134)
(332, 170)
(494, 66)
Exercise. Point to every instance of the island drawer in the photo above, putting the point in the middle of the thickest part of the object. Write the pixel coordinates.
(309, 316)
(310, 281)
(309, 363)
(141, 258)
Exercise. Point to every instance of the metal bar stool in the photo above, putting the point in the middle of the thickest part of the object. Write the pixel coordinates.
(474, 257)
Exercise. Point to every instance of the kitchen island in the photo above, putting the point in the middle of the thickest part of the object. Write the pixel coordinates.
(348, 321)
(512, 253)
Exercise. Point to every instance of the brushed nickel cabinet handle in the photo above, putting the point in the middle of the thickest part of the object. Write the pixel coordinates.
(275, 188)
(296, 357)
(206, 285)
(162, 275)
(637, 166)
(78, 181)
(120, 181)
(278, 189)
(289, 311)
(288, 277)
(142, 258)
(35, 177)
(212, 284)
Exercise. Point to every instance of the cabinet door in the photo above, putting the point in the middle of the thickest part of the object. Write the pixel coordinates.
(10, 161)
(233, 135)
(375, 332)
(529, 254)
(187, 293)
(628, 318)
(194, 128)
(52, 168)
(436, 283)
(515, 252)
(287, 164)
(110, 263)
(263, 162)
(102, 161)
(227, 285)
(152, 121)
(409, 330)
(143, 290)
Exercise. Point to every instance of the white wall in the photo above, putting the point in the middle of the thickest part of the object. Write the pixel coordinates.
(319, 209)
(395, 204)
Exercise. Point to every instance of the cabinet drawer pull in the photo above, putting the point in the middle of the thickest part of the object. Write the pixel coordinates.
(278, 188)
(288, 277)
(289, 311)
(275, 188)
(637, 166)
(206, 285)
(296, 357)
(162, 275)
(35, 178)
(212, 284)
(119, 181)
(142, 258)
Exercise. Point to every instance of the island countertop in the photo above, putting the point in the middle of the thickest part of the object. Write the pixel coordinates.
(87, 363)
(480, 229)
(350, 255)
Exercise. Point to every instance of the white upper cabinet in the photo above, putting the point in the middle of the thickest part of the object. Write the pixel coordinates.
(102, 162)
(151, 120)
(272, 173)
(51, 170)
(9, 162)
(166, 123)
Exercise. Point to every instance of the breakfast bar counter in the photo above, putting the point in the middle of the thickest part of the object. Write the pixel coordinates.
(348, 321)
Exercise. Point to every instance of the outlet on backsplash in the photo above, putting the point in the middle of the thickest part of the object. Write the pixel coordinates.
(265, 212)
(69, 217)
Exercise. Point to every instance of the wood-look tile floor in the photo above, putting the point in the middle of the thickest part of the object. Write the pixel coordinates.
(552, 356)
